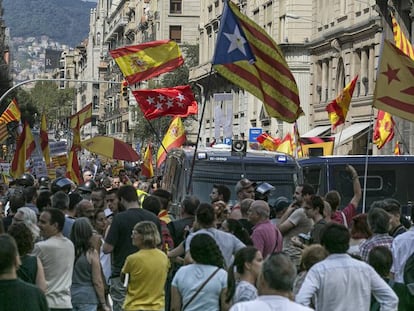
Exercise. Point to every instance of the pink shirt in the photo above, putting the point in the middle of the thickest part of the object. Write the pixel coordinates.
(349, 212)
(267, 238)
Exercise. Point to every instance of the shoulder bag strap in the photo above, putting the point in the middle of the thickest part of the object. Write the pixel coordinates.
(200, 288)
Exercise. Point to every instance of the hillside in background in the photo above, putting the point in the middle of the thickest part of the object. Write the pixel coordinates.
(65, 21)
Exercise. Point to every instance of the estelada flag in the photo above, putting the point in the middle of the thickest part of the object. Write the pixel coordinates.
(394, 89)
(268, 142)
(384, 129)
(147, 60)
(397, 149)
(44, 140)
(24, 148)
(248, 57)
(286, 146)
(83, 116)
(172, 101)
(12, 112)
(174, 138)
(338, 108)
(147, 168)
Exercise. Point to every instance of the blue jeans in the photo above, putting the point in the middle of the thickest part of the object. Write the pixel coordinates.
(85, 307)
(118, 293)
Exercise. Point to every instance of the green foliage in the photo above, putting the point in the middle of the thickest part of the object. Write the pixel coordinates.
(62, 20)
(46, 98)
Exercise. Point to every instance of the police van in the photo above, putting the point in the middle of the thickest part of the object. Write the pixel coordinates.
(386, 177)
(222, 166)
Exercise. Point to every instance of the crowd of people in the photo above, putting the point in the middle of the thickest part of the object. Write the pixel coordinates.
(113, 244)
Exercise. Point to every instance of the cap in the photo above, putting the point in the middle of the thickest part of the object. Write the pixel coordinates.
(281, 203)
(243, 184)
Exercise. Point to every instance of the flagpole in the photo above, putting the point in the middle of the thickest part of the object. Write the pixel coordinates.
(190, 179)
(364, 193)
(156, 134)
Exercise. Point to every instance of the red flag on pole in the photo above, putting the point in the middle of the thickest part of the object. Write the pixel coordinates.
(24, 148)
(175, 101)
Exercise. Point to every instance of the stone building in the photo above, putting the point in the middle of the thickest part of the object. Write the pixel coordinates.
(5, 79)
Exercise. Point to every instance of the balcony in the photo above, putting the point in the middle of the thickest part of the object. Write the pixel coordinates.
(115, 26)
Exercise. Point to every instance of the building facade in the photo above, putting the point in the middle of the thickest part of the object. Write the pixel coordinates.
(5, 77)
(225, 101)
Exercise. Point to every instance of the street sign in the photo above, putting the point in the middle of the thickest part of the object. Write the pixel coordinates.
(254, 132)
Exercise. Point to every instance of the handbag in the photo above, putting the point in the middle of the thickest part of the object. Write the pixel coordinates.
(200, 288)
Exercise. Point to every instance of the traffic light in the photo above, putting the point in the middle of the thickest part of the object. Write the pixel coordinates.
(124, 89)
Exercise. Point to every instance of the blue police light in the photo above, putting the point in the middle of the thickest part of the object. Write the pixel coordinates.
(281, 159)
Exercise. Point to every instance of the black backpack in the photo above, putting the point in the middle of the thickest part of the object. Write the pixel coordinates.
(409, 274)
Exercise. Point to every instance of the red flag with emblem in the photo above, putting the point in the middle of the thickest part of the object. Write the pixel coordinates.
(384, 129)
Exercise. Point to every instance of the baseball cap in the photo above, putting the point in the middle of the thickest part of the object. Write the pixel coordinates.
(244, 184)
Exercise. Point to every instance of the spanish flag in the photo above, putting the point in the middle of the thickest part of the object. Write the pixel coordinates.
(174, 138)
(44, 140)
(384, 129)
(247, 56)
(12, 112)
(147, 168)
(83, 116)
(338, 108)
(147, 60)
(24, 148)
(286, 146)
(397, 149)
(73, 171)
(268, 142)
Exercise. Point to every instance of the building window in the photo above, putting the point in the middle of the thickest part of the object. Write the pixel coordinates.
(175, 33)
(175, 6)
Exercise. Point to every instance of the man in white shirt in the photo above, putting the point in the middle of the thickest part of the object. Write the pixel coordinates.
(274, 286)
(402, 247)
(57, 255)
(342, 283)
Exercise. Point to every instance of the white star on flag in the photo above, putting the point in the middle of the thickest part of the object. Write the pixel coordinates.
(237, 41)
(170, 103)
(150, 100)
(161, 97)
(159, 106)
(180, 97)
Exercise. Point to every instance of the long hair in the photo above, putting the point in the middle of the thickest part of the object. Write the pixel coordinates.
(237, 229)
(80, 236)
(243, 256)
(204, 250)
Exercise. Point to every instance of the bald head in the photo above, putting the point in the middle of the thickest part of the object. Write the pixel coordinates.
(261, 208)
(85, 208)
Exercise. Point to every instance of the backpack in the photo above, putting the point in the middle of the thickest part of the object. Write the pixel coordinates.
(409, 274)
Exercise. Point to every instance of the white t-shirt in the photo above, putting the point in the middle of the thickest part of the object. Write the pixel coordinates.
(189, 278)
(57, 255)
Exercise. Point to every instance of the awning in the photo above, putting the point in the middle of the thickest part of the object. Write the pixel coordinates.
(316, 131)
(350, 132)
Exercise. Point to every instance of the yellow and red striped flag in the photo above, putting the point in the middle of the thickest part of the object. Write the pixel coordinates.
(248, 57)
(298, 143)
(397, 149)
(147, 60)
(338, 108)
(44, 140)
(286, 146)
(384, 129)
(174, 138)
(12, 112)
(83, 116)
(24, 148)
(394, 89)
(4, 133)
(147, 168)
(401, 40)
